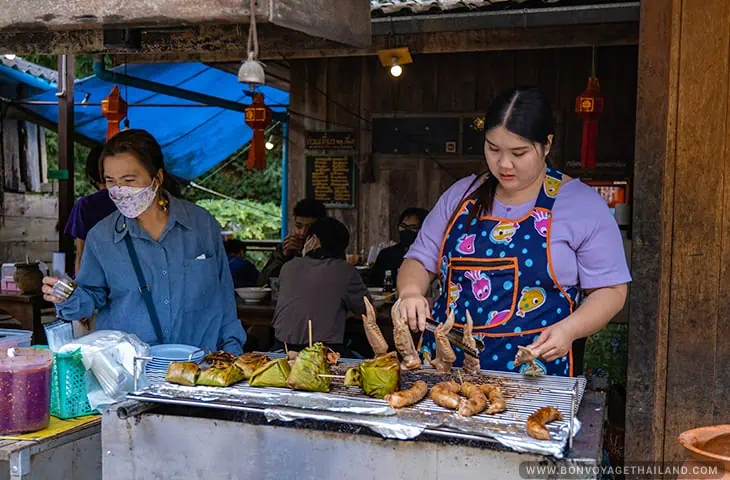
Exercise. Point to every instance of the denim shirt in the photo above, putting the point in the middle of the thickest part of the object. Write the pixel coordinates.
(186, 270)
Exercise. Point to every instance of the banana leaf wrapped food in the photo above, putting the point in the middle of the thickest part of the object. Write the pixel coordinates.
(220, 359)
(377, 377)
(310, 363)
(183, 373)
(272, 374)
(220, 377)
(250, 362)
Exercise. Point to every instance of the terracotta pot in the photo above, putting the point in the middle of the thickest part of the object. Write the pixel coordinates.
(697, 440)
(28, 277)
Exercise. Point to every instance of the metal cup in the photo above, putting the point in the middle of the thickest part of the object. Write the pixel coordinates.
(64, 288)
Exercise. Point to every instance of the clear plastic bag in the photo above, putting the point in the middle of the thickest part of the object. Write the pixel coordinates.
(109, 358)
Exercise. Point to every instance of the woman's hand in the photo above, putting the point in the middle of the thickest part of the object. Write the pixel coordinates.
(48, 283)
(415, 308)
(554, 342)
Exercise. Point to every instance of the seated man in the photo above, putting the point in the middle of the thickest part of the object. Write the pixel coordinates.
(391, 258)
(244, 272)
(320, 286)
(305, 213)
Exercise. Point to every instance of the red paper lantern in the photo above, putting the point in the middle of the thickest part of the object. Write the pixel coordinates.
(589, 105)
(258, 117)
(114, 108)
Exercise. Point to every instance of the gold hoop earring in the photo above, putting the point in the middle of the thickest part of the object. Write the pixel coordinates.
(163, 203)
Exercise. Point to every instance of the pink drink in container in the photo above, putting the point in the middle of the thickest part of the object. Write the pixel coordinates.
(25, 390)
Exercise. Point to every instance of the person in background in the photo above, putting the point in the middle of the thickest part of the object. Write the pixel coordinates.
(391, 258)
(302, 285)
(170, 246)
(244, 272)
(91, 209)
(305, 213)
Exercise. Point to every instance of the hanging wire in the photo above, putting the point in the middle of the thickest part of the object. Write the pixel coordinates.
(593, 61)
(244, 204)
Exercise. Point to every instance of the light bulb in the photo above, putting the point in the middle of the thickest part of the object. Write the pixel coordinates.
(269, 145)
(396, 70)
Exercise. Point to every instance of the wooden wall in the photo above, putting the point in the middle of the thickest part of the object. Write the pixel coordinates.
(28, 227)
(339, 93)
(23, 156)
(28, 221)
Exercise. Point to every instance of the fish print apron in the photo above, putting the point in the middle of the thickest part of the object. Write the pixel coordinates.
(501, 271)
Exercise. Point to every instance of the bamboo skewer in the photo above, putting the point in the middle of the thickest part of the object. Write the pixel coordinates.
(310, 334)
(330, 376)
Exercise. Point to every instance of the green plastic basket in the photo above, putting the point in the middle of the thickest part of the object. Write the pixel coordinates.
(68, 386)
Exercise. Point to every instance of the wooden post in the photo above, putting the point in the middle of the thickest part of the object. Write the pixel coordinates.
(678, 352)
(66, 153)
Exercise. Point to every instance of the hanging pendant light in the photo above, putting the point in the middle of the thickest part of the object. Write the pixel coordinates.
(394, 59)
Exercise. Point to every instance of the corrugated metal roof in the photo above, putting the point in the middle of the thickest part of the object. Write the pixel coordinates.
(380, 8)
(30, 68)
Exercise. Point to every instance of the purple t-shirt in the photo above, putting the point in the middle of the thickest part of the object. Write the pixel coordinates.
(87, 212)
(585, 242)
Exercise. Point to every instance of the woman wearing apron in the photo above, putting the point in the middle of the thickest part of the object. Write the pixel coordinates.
(518, 247)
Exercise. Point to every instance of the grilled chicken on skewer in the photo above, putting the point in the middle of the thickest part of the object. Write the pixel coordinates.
(372, 331)
(471, 364)
(445, 356)
(403, 340)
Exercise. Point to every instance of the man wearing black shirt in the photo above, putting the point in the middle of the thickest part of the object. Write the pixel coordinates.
(391, 258)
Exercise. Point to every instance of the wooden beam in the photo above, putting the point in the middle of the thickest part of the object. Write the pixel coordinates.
(346, 21)
(677, 378)
(226, 43)
(66, 154)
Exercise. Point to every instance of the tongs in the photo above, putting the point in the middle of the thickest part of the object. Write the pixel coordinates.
(456, 339)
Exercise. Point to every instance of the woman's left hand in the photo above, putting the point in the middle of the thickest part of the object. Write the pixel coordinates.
(554, 342)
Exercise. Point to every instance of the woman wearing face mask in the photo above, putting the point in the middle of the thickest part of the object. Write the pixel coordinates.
(169, 247)
(319, 286)
(517, 247)
(391, 258)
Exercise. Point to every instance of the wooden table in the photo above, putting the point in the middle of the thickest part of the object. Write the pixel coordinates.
(27, 310)
(78, 455)
(257, 321)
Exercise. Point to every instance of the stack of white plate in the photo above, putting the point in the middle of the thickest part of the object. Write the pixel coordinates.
(163, 355)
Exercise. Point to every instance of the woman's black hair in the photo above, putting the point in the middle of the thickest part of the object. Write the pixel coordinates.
(142, 145)
(92, 166)
(524, 111)
(333, 237)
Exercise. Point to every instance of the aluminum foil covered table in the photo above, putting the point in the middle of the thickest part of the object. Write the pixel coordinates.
(170, 431)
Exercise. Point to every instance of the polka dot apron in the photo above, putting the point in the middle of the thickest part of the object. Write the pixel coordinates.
(501, 271)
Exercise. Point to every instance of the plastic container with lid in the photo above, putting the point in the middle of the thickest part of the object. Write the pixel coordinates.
(25, 390)
(14, 338)
(7, 278)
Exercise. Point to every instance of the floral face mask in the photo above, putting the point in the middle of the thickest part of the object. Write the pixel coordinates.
(133, 201)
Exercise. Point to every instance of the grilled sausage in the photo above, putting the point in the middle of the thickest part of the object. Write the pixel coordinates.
(536, 422)
(408, 397)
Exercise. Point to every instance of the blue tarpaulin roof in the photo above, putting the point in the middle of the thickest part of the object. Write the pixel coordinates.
(194, 139)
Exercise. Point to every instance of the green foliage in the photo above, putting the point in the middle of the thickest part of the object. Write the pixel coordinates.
(247, 220)
(233, 179)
